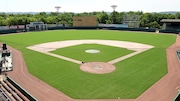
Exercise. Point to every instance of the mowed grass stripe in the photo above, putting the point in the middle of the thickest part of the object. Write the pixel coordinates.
(130, 79)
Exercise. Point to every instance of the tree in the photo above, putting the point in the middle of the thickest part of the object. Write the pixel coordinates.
(114, 16)
(145, 19)
(108, 21)
(2, 23)
(51, 20)
(11, 21)
(154, 24)
(102, 17)
(65, 18)
(178, 15)
(43, 14)
(53, 14)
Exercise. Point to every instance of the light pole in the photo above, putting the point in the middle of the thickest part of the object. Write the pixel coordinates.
(57, 8)
(114, 7)
(113, 13)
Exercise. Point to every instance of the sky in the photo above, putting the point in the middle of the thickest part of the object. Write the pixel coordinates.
(79, 6)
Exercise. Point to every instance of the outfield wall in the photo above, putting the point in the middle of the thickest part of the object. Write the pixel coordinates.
(94, 28)
(169, 31)
(11, 31)
(107, 28)
(117, 28)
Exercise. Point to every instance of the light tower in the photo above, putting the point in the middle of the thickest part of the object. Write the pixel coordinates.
(57, 8)
(113, 14)
(114, 7)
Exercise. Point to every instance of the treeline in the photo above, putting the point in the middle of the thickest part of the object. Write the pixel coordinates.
(151, 20)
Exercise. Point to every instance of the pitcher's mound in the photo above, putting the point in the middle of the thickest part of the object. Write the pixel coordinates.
(97, 67)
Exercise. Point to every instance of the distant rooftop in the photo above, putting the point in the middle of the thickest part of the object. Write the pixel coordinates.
(170, 20)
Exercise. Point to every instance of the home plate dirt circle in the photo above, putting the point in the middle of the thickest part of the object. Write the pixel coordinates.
(97, 67)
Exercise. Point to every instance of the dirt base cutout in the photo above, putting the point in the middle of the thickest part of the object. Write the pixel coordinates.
(97, 67)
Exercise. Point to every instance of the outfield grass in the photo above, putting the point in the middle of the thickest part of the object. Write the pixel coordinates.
(130, 79)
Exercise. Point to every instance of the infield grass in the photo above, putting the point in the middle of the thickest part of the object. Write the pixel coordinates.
(130, 79)
(107, 53)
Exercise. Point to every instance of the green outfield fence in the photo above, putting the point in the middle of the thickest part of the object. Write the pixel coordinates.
(107, 28)
(11, 31)
(94, 28)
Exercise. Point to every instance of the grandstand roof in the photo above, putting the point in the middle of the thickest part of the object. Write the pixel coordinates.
(170, 20)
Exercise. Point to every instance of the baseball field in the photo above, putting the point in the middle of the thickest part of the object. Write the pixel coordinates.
(131, 77)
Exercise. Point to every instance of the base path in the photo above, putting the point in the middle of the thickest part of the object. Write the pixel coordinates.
(163, 90)
(51, 46)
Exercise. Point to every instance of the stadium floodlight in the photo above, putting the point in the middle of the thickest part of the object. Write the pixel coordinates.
(57, 8)
(113, 14)
(114, 7)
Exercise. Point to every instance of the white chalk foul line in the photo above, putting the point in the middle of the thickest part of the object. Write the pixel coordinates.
(64, 58)
(123, 57)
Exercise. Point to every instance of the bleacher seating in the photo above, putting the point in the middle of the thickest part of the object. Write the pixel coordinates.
(3, 96)
(12, 92)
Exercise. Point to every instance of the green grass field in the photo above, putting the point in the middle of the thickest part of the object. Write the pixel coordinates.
(107, 53)
(130, 79)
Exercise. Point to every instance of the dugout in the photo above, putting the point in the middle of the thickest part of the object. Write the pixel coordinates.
(85, 21)
(171, 24)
